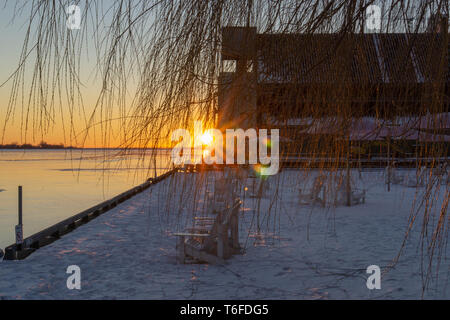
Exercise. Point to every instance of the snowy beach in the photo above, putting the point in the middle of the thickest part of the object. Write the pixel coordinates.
(304, 252)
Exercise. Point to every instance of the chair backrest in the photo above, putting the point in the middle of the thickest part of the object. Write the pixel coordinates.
(317, 186)
(223, 218)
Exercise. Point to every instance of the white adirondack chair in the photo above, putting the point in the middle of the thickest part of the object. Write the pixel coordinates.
(315, 195)
(416, 179)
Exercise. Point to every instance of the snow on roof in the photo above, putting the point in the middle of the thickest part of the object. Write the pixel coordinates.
(370, 128)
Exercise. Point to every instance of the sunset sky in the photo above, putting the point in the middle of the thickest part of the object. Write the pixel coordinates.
(61, 125)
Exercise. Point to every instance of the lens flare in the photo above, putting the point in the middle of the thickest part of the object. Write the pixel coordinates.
(267, 142)
(257, 170)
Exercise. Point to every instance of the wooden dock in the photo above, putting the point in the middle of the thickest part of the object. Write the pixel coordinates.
(53, 233)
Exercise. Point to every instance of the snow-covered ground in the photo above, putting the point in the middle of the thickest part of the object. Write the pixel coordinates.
(305, 253)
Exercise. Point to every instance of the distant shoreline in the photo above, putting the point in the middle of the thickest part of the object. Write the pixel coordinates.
(9, 147)
(35, 148)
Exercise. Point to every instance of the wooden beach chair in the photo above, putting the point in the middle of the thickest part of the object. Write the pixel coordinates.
(216, 241)
(417, 179)
(358, 196)
(316, 195)
(441, 174)
(222, 196)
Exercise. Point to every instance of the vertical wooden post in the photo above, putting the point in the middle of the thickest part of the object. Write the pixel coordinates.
(235, 229)
(220, 241)
(154, 166)
(260, 195)
(180, 249)
(324, 196)
(389, 163)
(348, 187)
(19, 227)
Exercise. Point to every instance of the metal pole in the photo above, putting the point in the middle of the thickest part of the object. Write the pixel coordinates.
(20, 205)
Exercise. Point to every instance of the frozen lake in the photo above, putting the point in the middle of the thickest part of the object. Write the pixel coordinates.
(60, 183)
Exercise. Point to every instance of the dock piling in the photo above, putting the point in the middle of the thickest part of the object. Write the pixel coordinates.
(19, 227)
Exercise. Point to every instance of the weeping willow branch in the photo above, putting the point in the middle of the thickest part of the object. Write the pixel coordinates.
(157, 66)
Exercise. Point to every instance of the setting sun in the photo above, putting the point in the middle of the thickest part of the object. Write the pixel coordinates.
(206, 138)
